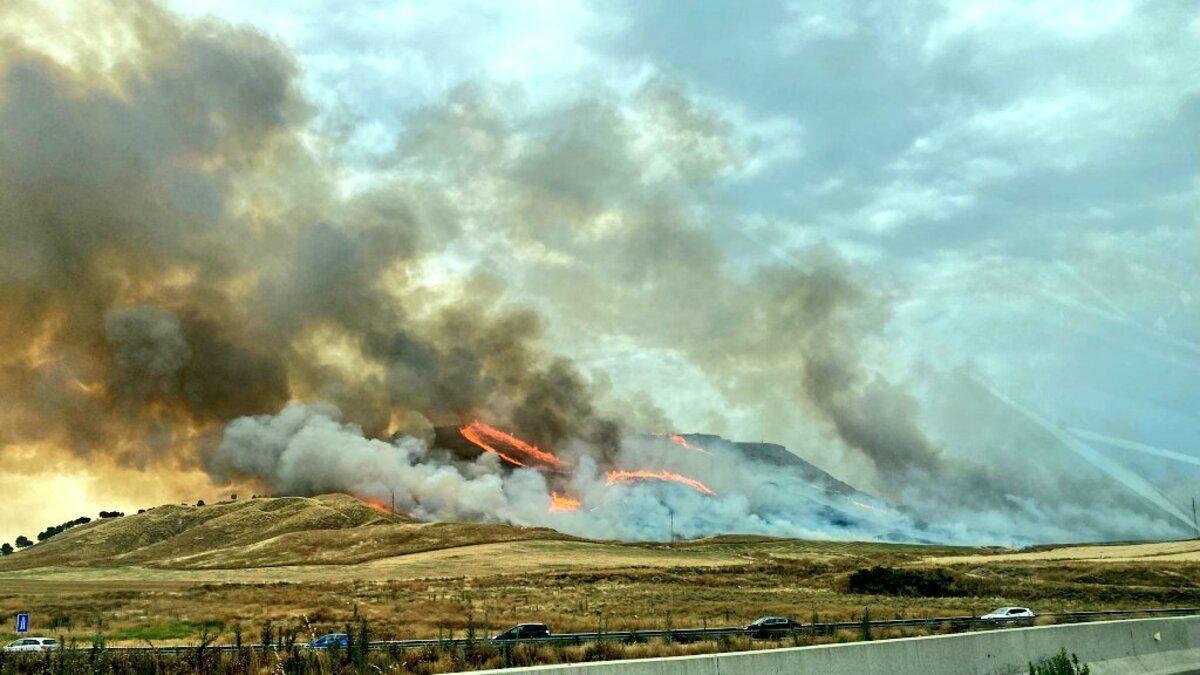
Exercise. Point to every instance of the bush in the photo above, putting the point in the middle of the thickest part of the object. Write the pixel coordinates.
(603, 651)
(881, 580)
(1060, 664)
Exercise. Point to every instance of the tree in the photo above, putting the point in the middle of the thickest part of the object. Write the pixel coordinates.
(6, 549)
(23, 542)
(200, 503)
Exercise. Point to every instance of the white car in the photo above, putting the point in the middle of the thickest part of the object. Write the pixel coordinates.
(33, 644)
(1008, 614)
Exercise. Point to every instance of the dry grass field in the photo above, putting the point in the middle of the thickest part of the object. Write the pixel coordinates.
(168, 575)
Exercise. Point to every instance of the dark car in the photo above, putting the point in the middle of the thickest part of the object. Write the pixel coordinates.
(524, 631)
(771, 626)
(331, 640)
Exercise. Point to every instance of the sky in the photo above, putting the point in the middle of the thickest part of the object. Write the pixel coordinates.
(1004, 194)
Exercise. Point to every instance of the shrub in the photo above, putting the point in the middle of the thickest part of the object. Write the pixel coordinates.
(1060, 664)
(602, 651)
(881, 580)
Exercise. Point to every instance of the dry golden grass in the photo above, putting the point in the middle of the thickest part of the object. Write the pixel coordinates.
(317, 563)
(1169, 551)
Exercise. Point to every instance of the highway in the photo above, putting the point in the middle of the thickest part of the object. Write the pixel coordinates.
(956, 623)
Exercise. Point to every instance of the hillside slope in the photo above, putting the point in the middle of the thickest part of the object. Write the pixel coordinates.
(329, 529)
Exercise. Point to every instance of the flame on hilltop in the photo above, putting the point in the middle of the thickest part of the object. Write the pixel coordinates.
(683, 442)
(615, 477)
(375, 504)
(560, 503)
(515, 451)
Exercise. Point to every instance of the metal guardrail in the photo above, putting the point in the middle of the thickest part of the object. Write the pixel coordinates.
(695, 634)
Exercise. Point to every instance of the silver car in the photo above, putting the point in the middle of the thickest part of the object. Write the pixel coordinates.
(32, 644)
(1009, 614)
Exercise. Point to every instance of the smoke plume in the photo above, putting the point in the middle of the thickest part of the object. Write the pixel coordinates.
(188, 284)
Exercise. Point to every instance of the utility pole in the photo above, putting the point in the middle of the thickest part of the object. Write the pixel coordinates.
(394, 501)
(1195, 524)
(672, 512)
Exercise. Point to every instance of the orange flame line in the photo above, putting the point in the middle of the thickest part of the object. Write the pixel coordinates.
(615, 477)
(485, 435)
(681, 441)
(562, 503)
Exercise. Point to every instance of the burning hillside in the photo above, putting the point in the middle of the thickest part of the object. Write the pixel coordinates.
(509, 448)
(204, 284)
(485, 473)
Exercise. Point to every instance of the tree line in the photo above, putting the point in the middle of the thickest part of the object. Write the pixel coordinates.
(23, 542)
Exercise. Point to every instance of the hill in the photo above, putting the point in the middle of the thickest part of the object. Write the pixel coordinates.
(326, 530)
(778, 456)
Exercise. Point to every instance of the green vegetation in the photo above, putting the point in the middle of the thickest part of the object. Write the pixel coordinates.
(59, 529)
(170, 630)
(928, 583)
(1061, 664)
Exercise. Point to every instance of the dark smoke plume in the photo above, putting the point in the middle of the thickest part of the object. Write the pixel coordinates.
(185, 283)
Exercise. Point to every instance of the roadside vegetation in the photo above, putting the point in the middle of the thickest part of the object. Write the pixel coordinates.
(795, 579)
(282, 650)
(1060, 664)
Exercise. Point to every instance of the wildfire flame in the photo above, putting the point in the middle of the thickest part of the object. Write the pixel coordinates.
(560, 503)
(683, 442)
(615, 477)
(376, 504)
(488, 437)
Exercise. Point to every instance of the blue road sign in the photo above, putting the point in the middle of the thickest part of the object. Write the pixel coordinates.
(22, 623)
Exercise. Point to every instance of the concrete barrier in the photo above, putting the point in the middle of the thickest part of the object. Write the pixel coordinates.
(1160, 646)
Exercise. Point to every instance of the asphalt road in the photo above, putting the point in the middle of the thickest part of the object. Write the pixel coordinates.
(694, 634)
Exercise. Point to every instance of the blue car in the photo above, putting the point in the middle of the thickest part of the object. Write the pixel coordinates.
(331, 640)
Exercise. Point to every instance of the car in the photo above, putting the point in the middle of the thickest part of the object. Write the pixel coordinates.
(32, 644)
(330, 640)
(524, 631)
(771, 626)
(1008, 614)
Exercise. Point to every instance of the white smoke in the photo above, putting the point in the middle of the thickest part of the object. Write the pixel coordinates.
(307, 449)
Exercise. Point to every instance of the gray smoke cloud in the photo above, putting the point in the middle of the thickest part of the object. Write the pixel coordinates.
(182, 259)
(149, 350)
(308, 449)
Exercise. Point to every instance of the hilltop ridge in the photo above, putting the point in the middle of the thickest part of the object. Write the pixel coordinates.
(262, 532)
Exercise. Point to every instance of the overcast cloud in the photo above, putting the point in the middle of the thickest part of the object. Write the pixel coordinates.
(1015, 185)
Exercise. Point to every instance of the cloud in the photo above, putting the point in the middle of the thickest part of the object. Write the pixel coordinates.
(206, 222)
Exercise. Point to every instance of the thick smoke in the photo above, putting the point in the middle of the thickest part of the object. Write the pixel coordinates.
(175, 257)
(182, 257)
(307, 449)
